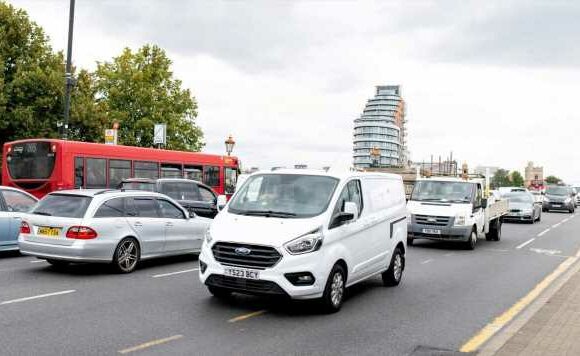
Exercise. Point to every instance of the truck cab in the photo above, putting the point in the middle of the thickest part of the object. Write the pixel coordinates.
(452, 209)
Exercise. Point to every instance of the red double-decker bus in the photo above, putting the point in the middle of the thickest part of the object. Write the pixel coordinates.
(40, 166)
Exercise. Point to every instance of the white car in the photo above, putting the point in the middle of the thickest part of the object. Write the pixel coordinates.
(109, 226)
(307, 234)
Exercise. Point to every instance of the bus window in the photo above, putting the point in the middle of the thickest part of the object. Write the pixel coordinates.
(231, 179)
(118, 170)
(171, 170)
(79, 172)
(96, 173)
(193, 172)
(146, 169)
(211, 176)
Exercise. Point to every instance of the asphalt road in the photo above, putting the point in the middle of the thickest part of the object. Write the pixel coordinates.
(447, 295)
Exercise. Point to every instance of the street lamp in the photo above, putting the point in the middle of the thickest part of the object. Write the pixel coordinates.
(230, 143)
(375, 156)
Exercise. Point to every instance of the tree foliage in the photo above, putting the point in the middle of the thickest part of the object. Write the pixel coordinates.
(516, 179)
(137, 90)
(501, 178)
(553, 180)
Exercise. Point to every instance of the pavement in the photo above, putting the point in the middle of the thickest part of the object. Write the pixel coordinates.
(449, 301)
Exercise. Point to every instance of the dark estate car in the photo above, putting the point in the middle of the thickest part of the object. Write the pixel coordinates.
(559, 198)
(192, 195)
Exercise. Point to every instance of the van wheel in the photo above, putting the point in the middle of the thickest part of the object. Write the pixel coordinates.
(218, 292)
(127, 255)
(333, 295)
(392, 276)
(470, 245)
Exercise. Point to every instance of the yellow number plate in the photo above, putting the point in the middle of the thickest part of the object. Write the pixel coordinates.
(49, 231)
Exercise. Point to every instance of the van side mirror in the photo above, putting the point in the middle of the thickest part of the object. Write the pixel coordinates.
(222, 200)
(349, 213)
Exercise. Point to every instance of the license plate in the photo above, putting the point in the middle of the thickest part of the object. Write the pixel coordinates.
(432, 231)
(556, 205)
(49, 231)
(242, 273)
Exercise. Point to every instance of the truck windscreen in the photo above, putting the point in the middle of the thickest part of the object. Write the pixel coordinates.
(442, 191)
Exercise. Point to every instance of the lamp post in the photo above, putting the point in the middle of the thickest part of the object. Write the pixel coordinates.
(375, 156)
(230, 143)
(69, 80)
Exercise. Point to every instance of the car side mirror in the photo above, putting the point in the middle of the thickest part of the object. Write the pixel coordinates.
(222, 200)
(349, 213)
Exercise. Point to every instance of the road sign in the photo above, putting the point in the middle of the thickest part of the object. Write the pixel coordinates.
(159, 134)
(110, 137)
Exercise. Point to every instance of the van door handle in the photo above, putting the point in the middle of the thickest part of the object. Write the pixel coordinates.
(137, 224)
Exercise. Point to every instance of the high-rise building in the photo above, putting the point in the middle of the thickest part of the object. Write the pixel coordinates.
(380, 137)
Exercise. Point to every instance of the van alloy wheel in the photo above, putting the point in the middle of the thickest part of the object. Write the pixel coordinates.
(337, 289)
(392, 276)
(397, 267)
(334, 290)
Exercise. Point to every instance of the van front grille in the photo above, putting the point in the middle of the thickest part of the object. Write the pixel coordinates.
(432, 220)
(245, 255)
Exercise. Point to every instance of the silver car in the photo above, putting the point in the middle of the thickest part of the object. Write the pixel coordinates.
(523, 207)
(13, 204)
(107, 226)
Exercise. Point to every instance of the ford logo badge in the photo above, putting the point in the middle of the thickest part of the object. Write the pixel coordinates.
(431, 219)
(242, 251)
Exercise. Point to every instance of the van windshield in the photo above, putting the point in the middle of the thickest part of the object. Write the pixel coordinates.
(284, 196)
(440, 191)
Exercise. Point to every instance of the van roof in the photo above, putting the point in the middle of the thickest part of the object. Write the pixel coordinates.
(334, 174)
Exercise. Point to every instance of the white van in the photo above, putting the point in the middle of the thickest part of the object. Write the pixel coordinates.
(307, 234)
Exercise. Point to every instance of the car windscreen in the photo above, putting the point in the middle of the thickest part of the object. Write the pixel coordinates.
(284, 195)
(519, 198)
(31, 160)
(147, 186)
(442, 191)
(63, 205)
(558, 191)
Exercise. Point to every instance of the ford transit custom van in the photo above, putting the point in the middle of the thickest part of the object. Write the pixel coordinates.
(306, 235)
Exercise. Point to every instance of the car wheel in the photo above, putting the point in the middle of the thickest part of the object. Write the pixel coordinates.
(127, 255)
(219, 292)
(470, 245)
(333, 295)
(392, 276)
(58, 263)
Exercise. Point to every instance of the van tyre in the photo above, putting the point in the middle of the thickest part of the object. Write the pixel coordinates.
(392, 277)
(472, 241)
(127, 255)
(218, 292)
(333, 295)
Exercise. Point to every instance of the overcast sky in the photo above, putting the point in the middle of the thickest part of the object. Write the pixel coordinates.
(495, 82)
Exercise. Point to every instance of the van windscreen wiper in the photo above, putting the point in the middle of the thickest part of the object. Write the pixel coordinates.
(268, 213)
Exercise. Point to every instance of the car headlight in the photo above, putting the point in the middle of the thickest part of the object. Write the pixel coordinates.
(546, 200)
(568, 200)
(460, 220)
(306, 243)
(527, 211)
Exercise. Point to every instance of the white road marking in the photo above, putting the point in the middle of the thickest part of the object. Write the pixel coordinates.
(37, 261)
(565, 220)
(174, 273)
(545, 252)
(525, 243)
(544, 232)
(556, 225)
(427, 261)
(37, 297)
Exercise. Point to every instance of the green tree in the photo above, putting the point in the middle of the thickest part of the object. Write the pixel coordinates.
(138, 90)
(501, 178)
(553, 180)
(517, 179)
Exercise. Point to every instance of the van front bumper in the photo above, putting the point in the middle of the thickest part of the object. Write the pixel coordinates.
(446, 233)
(272, 281)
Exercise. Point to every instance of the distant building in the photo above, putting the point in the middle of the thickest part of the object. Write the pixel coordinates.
(483, 169)
(382, 125)
(534, 176)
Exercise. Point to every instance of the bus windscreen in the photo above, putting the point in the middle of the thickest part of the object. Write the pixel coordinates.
(30, 160)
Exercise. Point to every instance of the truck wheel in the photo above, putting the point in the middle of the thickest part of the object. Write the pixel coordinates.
(392, 276)
(496, 231)
(410, 241)
(470, 245)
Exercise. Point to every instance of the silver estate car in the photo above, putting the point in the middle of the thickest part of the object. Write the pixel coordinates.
(109, 226)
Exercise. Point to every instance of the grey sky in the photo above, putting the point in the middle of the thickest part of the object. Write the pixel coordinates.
(495, 81)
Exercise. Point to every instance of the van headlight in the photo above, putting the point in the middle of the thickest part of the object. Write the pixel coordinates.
(306, 243)
(460, 220)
